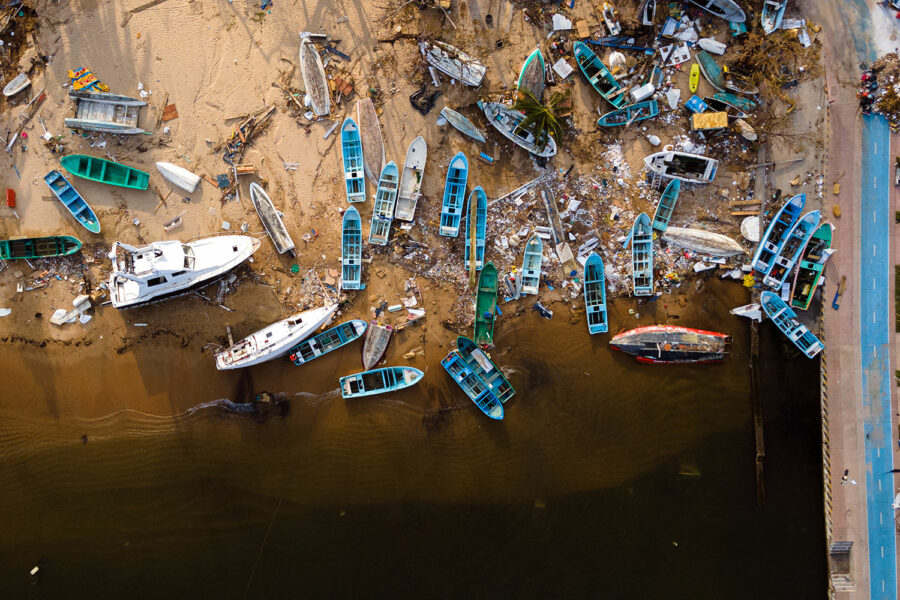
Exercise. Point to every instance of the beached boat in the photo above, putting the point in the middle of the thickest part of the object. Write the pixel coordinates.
(314, 78)
(598, 75)
(379, 381)
(666, 205)
(716, 105)
(711, 70)
(790, 251)
(533, 74)
(480, 198)
(712, 45)
(777, 232)
(39, 247)
(371, 138)
(454, 195)
(700, 240)
(464, 125)
(351, 251)
(531, 265)
(411, 179)
(725, 9)
(330, 339)
(772, 13)
(105, 171)
(274, 340)
(178, 176)
(744, 104)
(595, 294)
(271, 219)
(786, 320)
(478, 377)
(811, 265)
(642, 255)
(747, 131)
(486, 306)
(16, 85)
(506, 121)
(454, 62)
(352, 154)
(385, 199)
(375, 344)
(610, 20)
(667, 344)
(630, 114)
(647, 11)
(107, 113)
(739, 83)
(694, 78)
(162, 270)
(692, 168)
(72, 200)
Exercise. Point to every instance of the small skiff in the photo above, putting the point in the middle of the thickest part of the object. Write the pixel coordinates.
(705, 242)
(454, 195)
(506, 121)
(630, 114)
(385, 201)
(486, 306)
(786, 320)
(692, 168)
(314, 78)
(372, 140)
(328, 340)
(179, 176)
(772, 14)
(66, 193)
(351, 251)
(352, 154)
(39, 247)
(725, 9)
(478, 376)
(532, 76)
(411, 180)
(642, 256)
(105, 171)
(463, 124)
(711, 70)
(479, 198)
(777, 233)
(531, 265)
(712, 45)
(271, 219)
(376, 343)
(595, 294)
(16, 85)
(453, 62)
(379, 381)
(666, 205)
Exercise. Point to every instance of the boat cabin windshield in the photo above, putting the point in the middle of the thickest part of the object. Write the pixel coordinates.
(189, 259)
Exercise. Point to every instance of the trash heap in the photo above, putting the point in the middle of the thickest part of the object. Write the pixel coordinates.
(879, 89)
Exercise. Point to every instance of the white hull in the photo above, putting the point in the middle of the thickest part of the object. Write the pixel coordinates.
(314, 78)
(712, 46)
(179, 176)
(271, 220)
(671, 164)
(726, 9)
(454, 62)
(506, 120)
(699, 240)
(18, 83)
(411, 179)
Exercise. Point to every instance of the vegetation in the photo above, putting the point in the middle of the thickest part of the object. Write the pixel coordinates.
(540, 118)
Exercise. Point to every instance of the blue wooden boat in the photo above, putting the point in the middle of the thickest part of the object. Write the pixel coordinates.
(595, 294)
(772, 13)
(777, 233)
(745, 104)
(666, 205)
(598, 75)
(630, 114)
(385, 199)
(379, 381)
(809, 269)
(790, 252)
(351, 251)
(786, 320)
(642, 255)
(480, 199)
(478, 377)
(328, 340)
(351, 151)
(72, 200)
(531, 265)
(454, 195)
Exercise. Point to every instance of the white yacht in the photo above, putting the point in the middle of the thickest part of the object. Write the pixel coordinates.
(163, 269)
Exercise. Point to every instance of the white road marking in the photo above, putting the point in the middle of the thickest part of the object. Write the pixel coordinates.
(882, 556)
(874, 216)
(873, 249)
(881, 518)
(873, 283)
(875, 182)
(873, 316)
(879, 485)
(878, 452)
(876, 147)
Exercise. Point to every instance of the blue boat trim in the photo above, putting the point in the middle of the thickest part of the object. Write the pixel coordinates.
(642, 255)
(454, 195)
(385, 200)
(480, 227)
(777, 232)
(328, 340)
(351, 151)
(66, 193)
(790, 251)
(479, 377)
(666, 205)
(786, 320)
(531, 265)
(597, 75)
(595, 294)
(351, 251)
(379, 381)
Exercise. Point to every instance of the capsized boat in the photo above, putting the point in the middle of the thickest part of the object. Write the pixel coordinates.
(726, 9)
(478, 377)
(480, 199)
(772, 13)
(375, 344)
(787, 257)
(786, 320)
(271, 219)
(711, 70)
(744, 104)
(717, 105)
(647, 11)
(812, 264)
(486, 306)
(314, 78)
(351, 251)
(712, 45)
(642, 255)
(454, 62)
(506, 121)
(661, 344)
(598, 75)
(705, 242)
(330, 339)
(777, 233)
(610, 20)
(463, 124)
(595, 294)
(454, 195)
(39, 247)
(533, 74)
(371, 138)
(178, 176)
(751, 311)
(379, 381)
(385, 199)
(666, 205)
(72, 200)
(162, 270)
(411, 179)
(274, 340)
(105, 171)
(352, 154)
(692, 168)
(16, 85)
(531, 265)
(630, 114)
(106, 113)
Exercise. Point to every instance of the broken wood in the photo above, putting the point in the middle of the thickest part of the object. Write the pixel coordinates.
(209, 180)
(162, 112)
(140, 8)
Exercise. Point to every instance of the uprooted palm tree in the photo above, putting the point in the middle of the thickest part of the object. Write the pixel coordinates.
(540, 118)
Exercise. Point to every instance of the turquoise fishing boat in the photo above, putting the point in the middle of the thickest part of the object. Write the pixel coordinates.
(787, 257)
(531, 265)
(486, 306)
(772, 14)
(478, 377)
(351, 151)
(711, 70)
(786, 320)
(351, 251)
(533, 74)
(480, 198)
(385, 200)
(666, 205)
(72, 200)
(328, 340)
(744, 104)
(454, 195)
(595, 294)
(598, 75)
(642, 255)
(40, 247)
(105, 171)
(812, 264)
(776, 233)
(630, 114)
(379, 381)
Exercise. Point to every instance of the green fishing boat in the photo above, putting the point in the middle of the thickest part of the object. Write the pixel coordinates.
(40, 247)
(485, 306)
(105, 171)
(812, 264)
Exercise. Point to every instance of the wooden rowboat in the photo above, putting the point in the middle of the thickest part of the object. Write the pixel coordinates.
(105, 171)
(486, 306)
(72, 200)
(598, 75)
(371, 138)
(630, 114)
(379, 381)
(411, 179)
(314, 78)
(454, 195)
(595, 294)
(179, 176)
(666, 205)
(533, 74)
(376, 343)
(642, 255)
(352, 154)
(271, 220)
(385, 199)
(39, 247)
(531, 265)
(480, 199)
(351, 251)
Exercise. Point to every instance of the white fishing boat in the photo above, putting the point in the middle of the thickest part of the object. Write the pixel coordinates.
(314, 78)
(271, 219)
(700, 240)
(275, 340)
(506, 121)
(454, 62)
(179, 176)
(411, 179)
(161, 270)
(725, 9)
(106, 113)
(712, 45)
(16, 85)
(751, 311)
(672, 164)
